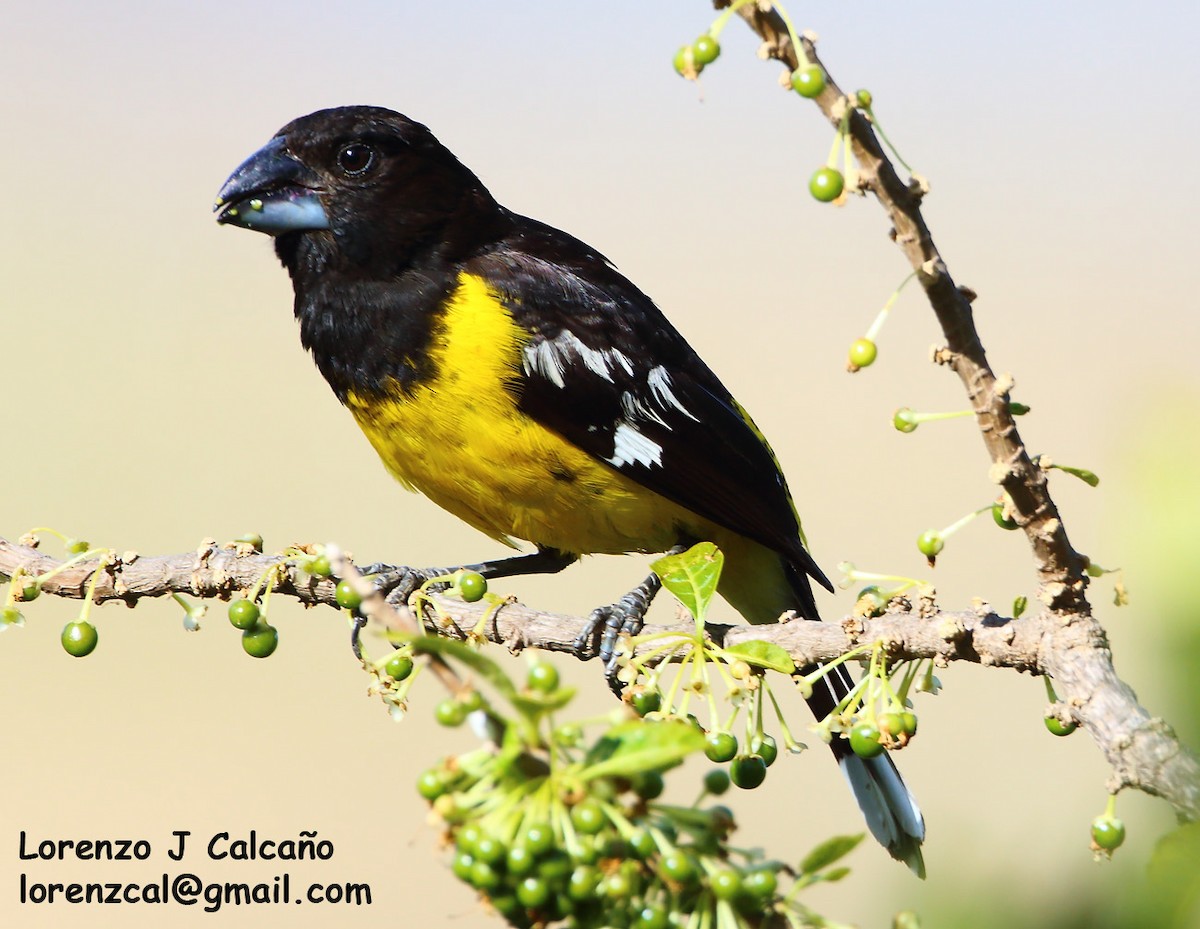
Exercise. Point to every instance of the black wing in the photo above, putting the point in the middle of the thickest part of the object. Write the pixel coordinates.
(608, 372)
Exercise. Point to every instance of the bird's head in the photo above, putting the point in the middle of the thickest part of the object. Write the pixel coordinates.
(361, 183)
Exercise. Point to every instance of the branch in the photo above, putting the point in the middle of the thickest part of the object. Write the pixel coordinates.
(1061, 570)
(1142, 751)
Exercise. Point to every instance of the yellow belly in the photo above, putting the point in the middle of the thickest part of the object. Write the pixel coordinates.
(459, 438)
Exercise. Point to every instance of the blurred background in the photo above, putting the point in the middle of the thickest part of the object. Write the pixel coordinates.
(156, 393)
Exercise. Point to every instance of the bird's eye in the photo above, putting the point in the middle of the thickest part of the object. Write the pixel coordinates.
(356, 158)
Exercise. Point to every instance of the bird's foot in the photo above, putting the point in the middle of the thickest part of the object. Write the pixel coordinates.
(606, 623)
(396, 584)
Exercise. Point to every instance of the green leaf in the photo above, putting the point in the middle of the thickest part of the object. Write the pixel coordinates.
(534, 703)
(828, 852)
(484, 667)
(834, 874)
(640, 745)
(763, 654)
(692, 576)
(1088, 477)
(1019, 606)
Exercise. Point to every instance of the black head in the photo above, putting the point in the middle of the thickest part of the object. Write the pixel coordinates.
(361, 188)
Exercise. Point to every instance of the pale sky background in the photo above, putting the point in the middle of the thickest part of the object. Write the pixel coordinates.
(156, 393)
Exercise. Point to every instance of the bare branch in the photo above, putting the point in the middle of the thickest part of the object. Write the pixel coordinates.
(1061, 570)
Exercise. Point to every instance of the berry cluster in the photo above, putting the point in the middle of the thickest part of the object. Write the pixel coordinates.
(549, 830)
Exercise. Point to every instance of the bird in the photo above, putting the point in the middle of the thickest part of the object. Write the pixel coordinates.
(509, 372)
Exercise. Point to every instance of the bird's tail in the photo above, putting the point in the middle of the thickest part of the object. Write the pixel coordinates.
(756, 581)
(890, 810)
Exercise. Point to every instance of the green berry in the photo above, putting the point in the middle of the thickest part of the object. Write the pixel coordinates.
(472, 586)
(253, 539)
(30, 589)
(484, 876)
(471, 700)
(618, 885)
(765, 747)
(864, 740)
(683, 60)
(864, 98)
(748, 771)
(582, 883)
(760, 884)
(677, 867)
(533, 892)
(904, 420)
(398, 667)
(450, 712)
(588, 817)
(652, 917)
(1004, 522)
(1108, 832)
(862, 354)
(260, 640)
(320, 566)
(346, 596)
(646, 701)
(909, 719)
(490, 849)
(649, 785)
(244, 613)
(555, 869)
(431, 784)
(542, 677)
(808, 82)
(726, 883)
(463, 862)
(77, 546)
(538, 838)
(642, 842)
(1058, 727)
(79, 639)
(720, 746)
(930, 543)
(705, 50)
(510, 908)
(716, 782)
(826, 185)
(891, 724)
(467, 836)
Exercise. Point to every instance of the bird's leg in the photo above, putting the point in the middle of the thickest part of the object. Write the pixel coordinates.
(626, 616)
(398, 583)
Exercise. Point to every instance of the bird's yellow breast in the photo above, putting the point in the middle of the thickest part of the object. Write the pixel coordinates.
(459, 437)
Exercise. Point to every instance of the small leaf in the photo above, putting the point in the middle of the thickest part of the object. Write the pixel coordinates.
(829, 851)
(692, 576)
(763, 654)
(1088, 477)
(533, 703)
(835, 874)
(1019, 606)
(641, 745)
(484, 667)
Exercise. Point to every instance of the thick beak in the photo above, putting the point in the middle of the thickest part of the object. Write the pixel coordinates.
(272, 192)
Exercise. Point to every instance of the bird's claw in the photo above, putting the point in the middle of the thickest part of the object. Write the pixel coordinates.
(396, 584)
(607, 623)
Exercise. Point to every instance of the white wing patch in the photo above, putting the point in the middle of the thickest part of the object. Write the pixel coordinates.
(631, 447)
(659, 381)
(550, 358)
(652, 403)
